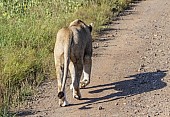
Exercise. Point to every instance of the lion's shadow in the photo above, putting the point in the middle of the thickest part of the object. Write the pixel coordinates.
(139, 83)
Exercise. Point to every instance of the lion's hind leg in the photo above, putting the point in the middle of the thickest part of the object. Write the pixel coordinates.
(76, 69)
(72, 73)
(59, 73)
(86, 71)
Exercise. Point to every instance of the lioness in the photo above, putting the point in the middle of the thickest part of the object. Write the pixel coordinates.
(73, 51)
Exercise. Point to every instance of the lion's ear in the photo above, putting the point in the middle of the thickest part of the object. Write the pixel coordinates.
(90, 27)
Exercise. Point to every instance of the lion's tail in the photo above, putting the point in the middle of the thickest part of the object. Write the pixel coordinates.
(67, 51)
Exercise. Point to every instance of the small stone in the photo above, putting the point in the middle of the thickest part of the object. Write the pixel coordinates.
(146, 37)
(156, 113)
(155, 20)
(155, 35)
(96, 45)
(136, 111)
(101, 108)
(142, 65)
(116, 103)
(147, 106)
(105, 45)
(158, 70)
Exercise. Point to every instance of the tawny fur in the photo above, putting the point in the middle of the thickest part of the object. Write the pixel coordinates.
(73, 52)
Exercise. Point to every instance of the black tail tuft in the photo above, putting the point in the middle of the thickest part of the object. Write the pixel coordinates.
(61, 95)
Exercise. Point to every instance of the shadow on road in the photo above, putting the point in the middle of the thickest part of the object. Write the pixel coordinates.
(138, 84)
(25, 113)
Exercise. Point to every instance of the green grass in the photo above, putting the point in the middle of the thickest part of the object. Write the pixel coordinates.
(27, 35)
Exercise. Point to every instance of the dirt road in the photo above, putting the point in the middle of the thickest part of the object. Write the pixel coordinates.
(130, 74)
